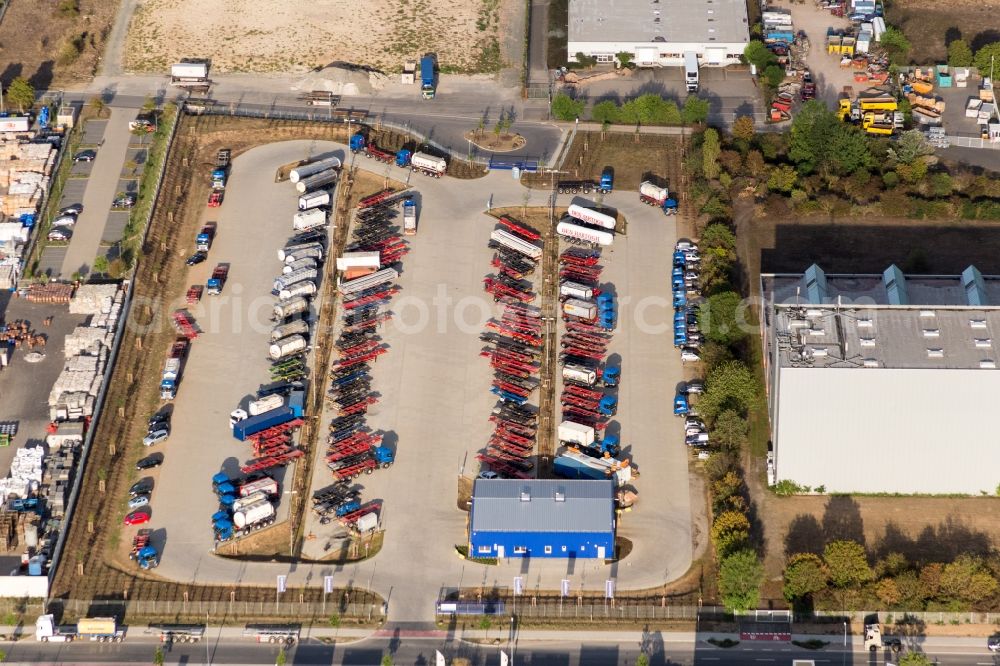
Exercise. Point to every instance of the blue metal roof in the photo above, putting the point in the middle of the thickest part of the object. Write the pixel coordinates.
(557, 505)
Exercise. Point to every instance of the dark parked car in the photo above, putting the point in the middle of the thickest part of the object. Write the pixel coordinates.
(150, 461)
(141, 487)
(197, 258)
(85, 156)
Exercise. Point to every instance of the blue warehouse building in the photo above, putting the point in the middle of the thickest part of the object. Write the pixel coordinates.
(542, 518)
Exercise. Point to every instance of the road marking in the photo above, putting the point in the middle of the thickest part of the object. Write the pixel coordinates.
(763, 659)
(709, 658)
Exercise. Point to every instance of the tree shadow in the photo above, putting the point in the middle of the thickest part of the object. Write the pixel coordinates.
(842, 520)
(951, 34)
(11, 72)
(983, 38)
(42, 78)
(805, 535)
(942, 543)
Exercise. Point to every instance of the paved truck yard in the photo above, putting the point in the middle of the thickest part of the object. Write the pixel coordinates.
(433, 388)
(228, 360)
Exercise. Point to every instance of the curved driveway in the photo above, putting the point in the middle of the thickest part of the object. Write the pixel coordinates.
(434, 396)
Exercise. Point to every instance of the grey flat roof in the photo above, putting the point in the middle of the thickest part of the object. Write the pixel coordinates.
(905, 431)
(883, 321)
(497, 506)
(824, 337)
(680, 21)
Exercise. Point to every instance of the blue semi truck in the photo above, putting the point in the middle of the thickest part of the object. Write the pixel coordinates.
(428, 82)
(271, 418)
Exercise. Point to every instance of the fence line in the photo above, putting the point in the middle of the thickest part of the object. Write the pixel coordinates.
(972, 142)
(220, 611)
(109, 369)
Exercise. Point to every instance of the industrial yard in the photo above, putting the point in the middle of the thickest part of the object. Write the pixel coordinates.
(428, 358)
(302, 36)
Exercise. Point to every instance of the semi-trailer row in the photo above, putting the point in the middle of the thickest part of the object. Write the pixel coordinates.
(514, 344)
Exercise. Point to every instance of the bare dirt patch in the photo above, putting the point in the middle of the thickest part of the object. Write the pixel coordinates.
(299, 35)
(931, 25)
(54, 41)
(634, 158)
(498, 143)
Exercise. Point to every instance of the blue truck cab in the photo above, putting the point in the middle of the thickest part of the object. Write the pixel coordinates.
(611, 375)
(607, 180)
(679, 259)
(168, 389)
(403, 157)
(680, 299)
(680, 404)
(147, 558)
(670, 207)
(383, 456)
(427, 82)
(608, 406)
(224, 530)
(358, 142)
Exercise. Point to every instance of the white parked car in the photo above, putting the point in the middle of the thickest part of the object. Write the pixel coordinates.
(684, 245)
(59, 234)
(137, 502)
(689, 356)
(64, 221)
(156, 436)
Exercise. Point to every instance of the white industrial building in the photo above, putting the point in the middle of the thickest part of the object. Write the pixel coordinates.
(659, 32)
(883, 383)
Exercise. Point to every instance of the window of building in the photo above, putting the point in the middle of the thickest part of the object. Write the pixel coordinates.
(604, 57)
(548, 550)
(564, 549)
(486, 549)
(520, 550)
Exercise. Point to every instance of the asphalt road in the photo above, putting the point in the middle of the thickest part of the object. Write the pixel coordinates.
(595, 650)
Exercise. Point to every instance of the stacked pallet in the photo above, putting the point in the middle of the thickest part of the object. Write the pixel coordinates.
(25, 473)
(25, 171)
(93, 299)
(58, 476)
(86, 340)
(52, 292)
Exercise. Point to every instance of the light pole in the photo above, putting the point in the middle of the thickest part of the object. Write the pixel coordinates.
(845, 633)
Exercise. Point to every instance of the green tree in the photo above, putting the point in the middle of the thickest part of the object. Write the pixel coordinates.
(158, 656)
(642, 660)
(730, 430)
(281, 658)
(782, 178)
(100, 264)
(847, 563)
(959, 54)
(985, 57)
(743, 128)
(774, 75)
(719, 237)
(896, 45)
(97, 105)
(755, 164)
(930, 580)
(21, 94)
(713, 355)
(565, 107)
(625, 59)
(728, 485)
(730, 532)
(732, 385)
(805, 575)
(721, 318)
(740, 576)
(941, 185)
(967, 578)
(387, 660)
(911, 146)
(710, 150)
(756, 53)
(605, 112)
(915, 659)
(849, 150)
(813, 130)
(892, 564)
(695, 110)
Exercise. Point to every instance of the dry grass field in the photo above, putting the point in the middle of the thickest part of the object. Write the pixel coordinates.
(300, 35)
(931, 25)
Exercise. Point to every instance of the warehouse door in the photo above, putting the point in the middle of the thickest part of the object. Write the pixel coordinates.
(715, 56)
(647, 55)
(499, 552)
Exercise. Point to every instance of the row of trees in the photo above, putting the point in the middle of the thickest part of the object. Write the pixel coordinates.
(648, 109)
(841, 577)
(960, 55)
(825, 166)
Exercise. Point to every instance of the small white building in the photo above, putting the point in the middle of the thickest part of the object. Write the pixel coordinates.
(659, 32)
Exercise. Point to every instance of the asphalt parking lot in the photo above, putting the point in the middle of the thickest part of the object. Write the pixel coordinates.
(24, 387)
(228, 360)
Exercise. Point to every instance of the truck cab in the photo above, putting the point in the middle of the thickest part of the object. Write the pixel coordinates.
(168, 389)
(691, 77)
(427, 78)
(611, 375)
(358, 142)
(680, 405)
(46, 631)
(607, 180)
